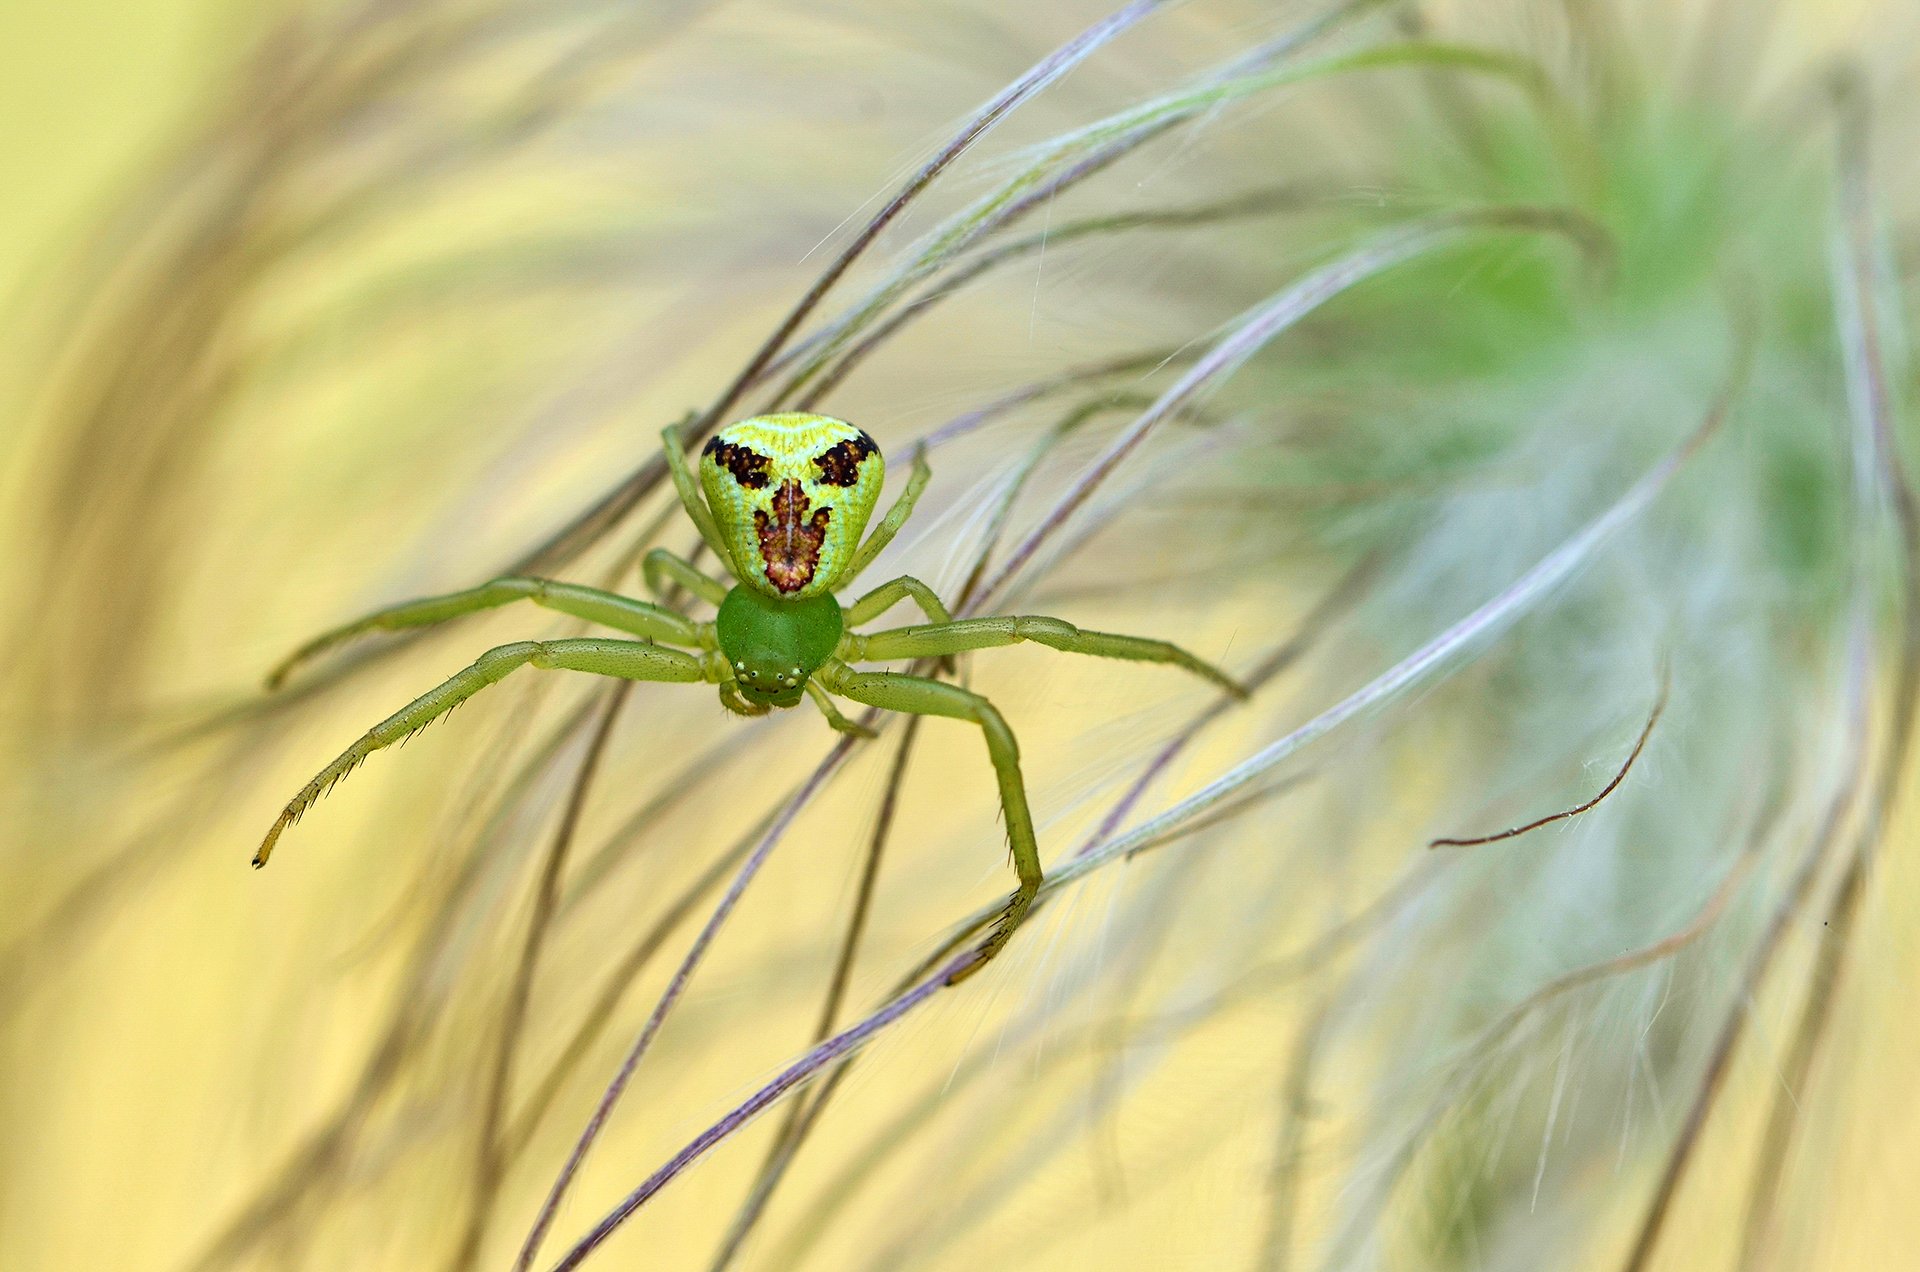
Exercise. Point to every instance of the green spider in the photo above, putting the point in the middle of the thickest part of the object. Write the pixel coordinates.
(786, 499)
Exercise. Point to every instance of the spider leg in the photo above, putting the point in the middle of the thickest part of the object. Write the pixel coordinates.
(691, 499)
(887, 595)
(891, 593)
(730, 699)
(624, 659)
(917, 695)
(935, 640)
(881, 535)
(621, 613)
(839, 722)
(663, 571)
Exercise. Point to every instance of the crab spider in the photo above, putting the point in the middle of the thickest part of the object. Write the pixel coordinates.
(782, 501)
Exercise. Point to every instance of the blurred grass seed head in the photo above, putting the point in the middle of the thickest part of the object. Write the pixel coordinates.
(1514, 393)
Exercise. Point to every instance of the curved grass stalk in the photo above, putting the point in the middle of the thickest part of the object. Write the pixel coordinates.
(1861, 297)
(1016, 481)
(965, 269)
(977, 1203)
(1528, 591)
(966, 272)
(618, 980)
(1585, 805)
(491, 1151)
(549, 1209)
(1260, 326)
(1122, 132)
(1759, 962)
(323, 1154)
(587, 527)
(804, 1116)
(979, 417)
(801, 1118)
(1495, 615)
(801, 1114)
(1365, 1217)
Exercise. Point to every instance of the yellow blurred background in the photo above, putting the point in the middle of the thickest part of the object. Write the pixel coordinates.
(207, 1067)
(92, 91)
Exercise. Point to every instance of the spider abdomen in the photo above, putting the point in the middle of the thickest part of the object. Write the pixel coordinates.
(791, 495)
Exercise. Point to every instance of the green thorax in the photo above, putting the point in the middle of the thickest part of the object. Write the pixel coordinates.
(773, 645)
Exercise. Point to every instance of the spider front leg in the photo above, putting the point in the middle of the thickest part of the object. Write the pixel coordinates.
(663, 571)
(624, 659)
(882, 534)
(621, 613)
(836, 721)
(917, 695)
(693, 501)
(730, 699)
(891, 593)
(937, 640)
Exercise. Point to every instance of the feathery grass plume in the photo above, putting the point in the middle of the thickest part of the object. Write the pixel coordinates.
(1512, 396)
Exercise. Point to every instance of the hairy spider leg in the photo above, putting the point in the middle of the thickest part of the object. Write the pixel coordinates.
(730, 699)
(937, 640)
(663, 571)
(637, 618)
(917, 695)
(839, 722)
(887, 595)
(942, 637)
(623, 659)
(693, 501)
(891, 593)
(896, 516)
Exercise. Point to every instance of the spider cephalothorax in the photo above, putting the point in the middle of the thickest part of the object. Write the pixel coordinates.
(782, 501)
(773, 646)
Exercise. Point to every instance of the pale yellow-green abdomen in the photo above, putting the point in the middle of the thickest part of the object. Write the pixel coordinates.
(792, 495)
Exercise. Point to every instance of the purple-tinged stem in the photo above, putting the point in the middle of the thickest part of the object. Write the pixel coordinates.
(675, 987)
(616, 503)
(841, 1044)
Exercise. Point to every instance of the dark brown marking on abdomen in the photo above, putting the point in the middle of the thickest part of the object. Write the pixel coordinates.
(749, 467)
(840, 465)
(790, 539)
